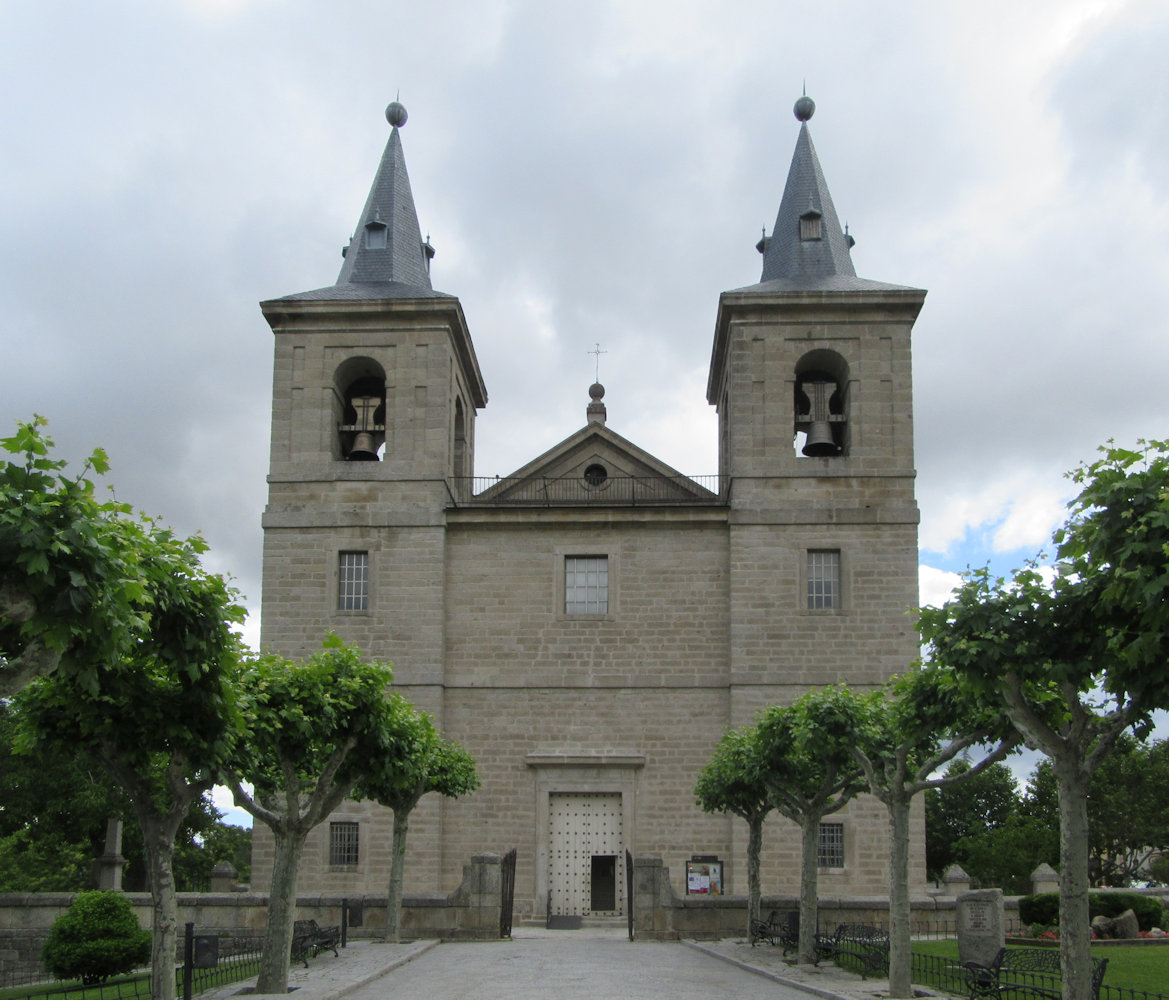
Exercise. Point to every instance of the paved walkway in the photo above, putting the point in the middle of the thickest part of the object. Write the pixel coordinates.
(566, 965)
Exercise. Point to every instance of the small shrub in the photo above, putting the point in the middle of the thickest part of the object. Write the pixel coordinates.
(97, 937)
(1040, 909)
(1112, 904)
(1044, 908)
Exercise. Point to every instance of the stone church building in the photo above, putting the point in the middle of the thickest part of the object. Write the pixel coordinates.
(588, 626)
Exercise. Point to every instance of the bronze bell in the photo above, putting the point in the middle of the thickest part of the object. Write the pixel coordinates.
(363, 449)
(820, 442)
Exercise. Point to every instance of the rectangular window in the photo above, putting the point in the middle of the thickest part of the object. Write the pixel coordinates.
(831, 851)
(353, 582)
(586, 585)
(342, 844)
(823, 579)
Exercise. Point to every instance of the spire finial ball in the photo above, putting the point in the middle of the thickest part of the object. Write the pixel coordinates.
(596, 392)
(396, 114)
(805, 108)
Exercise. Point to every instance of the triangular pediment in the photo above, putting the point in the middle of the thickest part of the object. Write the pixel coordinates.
(596, 466)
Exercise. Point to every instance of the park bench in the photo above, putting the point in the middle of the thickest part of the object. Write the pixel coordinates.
(780, 928)
(309, 939)
(1031, 972)
(869, 946)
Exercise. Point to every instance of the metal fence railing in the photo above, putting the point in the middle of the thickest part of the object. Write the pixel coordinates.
(586, 491)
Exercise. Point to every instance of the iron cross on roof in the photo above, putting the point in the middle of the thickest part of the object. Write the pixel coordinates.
(597, 352)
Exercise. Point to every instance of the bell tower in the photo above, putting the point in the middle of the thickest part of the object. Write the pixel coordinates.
(811, 374)
(375, 390)
(810, 369)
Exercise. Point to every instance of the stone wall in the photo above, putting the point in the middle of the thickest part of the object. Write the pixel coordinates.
(469, 913)
(660, 914)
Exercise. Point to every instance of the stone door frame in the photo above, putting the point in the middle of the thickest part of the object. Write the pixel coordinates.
(612, 774)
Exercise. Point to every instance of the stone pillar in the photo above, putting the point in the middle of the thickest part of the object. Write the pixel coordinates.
(956, 881)
(110, 864)
(223, 877)
(483, 883)
(1044, 879)
(653, 899)
(980, 926)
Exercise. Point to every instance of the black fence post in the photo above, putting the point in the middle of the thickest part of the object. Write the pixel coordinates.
(344, 921)
(188, 961)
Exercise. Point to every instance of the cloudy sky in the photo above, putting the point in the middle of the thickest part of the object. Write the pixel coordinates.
(589, 173)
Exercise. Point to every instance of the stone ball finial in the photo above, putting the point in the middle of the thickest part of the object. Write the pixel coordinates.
(396, 114)
(596, 392)
(805, 108)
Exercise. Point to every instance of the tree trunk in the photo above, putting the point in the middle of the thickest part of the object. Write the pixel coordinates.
(754, 885)
(809, 887)
(900, 946)
(397, 876)
(1075, 954)
(275, 957)
(164, 916)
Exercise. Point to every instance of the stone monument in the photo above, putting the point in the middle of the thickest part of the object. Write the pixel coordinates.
(980, 925)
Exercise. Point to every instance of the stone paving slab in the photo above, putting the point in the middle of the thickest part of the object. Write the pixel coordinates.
(360, 965)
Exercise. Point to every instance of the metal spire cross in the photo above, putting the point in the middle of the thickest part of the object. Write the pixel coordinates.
(597, 352)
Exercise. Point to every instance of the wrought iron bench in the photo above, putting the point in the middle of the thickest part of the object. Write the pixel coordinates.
(1027, 971)
(780, 928)
(309, 939)
(868, 946)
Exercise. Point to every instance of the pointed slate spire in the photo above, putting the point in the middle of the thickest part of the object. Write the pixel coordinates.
(387, 245)
(807, 244)
(807, 250)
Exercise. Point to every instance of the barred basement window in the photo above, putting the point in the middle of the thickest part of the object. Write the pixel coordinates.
(342, 845)
(586, 585)
(831, 850)
(353, 582)
(823, 579)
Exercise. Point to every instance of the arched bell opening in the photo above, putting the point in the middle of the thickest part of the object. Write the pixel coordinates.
(360, 387)
(461, 452)
(821, 405)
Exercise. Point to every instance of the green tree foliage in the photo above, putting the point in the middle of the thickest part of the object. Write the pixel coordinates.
(226, 842)
(1005, 856)
(809, 772)
(732, 782)
(55, 802)
(54, 805)
(74, 581)
(1077, 661)
(904, 735)
(308, 732)
(1128, 811)
(422, 762)
(159, 719)
(958, 812)
(97, 937)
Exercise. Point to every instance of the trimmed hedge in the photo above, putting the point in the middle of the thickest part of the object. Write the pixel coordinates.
(97, 937)
(1044, 907)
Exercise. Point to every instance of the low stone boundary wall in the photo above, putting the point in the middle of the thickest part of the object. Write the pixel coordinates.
(469, 913)
(660, 914)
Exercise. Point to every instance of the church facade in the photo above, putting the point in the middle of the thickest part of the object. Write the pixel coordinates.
(589, 626)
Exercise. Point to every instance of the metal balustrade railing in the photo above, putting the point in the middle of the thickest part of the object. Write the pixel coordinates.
(572, 491)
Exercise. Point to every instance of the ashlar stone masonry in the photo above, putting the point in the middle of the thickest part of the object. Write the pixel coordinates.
(589, 626)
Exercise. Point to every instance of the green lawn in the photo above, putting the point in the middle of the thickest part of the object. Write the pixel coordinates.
(1131, 966)
(130, 987)
(115, 989)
